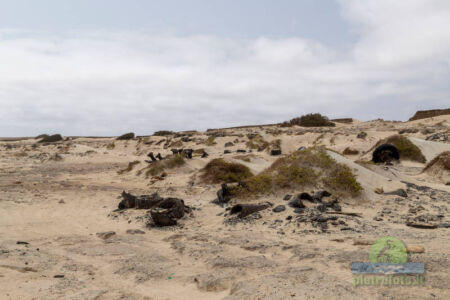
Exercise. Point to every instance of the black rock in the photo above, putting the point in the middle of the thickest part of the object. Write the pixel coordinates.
(223, 195)
(399, 192)
(275, 152)
(279, 208)
(226, 152)
(296, 202)
(287, 197)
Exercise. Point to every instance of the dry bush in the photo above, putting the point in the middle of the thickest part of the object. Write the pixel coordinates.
(219, 171)
(111, 146)
(442, 161)
(126, 136)
(163, 133)
(308, 168)
(210, 141)
(178, 143)
(159, 166)
(406, 148)
(256, 141)
(350, 151)
(129, 167)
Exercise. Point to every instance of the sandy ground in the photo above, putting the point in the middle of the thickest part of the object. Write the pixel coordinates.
(57, 204)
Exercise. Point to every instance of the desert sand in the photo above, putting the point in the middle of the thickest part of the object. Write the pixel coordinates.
(56, 197)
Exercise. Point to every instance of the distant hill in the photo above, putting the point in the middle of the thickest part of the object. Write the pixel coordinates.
(423, 114)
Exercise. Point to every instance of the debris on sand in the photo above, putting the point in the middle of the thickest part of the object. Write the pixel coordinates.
(167, 211)
(244, 210)
(164, 211)
(385, 153)
(139, 202)
(223, 195)
(106, 235)
(135, 231)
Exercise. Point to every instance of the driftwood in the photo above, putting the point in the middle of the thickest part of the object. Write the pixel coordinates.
(244, 210)
(168, 211)
(353, 214)
(421, 225)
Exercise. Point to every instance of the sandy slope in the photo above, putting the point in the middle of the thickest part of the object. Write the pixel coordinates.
(59, 206)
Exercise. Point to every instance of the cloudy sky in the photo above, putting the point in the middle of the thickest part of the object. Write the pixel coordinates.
(105, 67)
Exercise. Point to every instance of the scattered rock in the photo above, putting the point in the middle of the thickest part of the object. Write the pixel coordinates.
(275, 152)
(296, 202)
(229, 144)
(22, 243)
(421, 225)
(279, 208)
(106, 235)
(223, 195)
(287, 197)
(361, 135)
(244, 210)
(399, 192)
(168, 211)
(135, 231)
(58, 276)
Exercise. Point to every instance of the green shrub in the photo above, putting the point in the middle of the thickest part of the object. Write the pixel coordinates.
(310, 120)
(257, 142)
(51, 138)
(309, 168)
(126, 136)
(163, 133)
(219, 171)
(159, 166)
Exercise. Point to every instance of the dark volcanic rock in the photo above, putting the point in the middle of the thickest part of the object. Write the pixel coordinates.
(279, 208)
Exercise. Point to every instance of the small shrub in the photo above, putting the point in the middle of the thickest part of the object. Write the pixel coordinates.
(308, 168)
(111, 146)
(219, 171)
(126, 136)
(51, 138)
(159, 166)
(405, 147)
(178, 143)
(350, 151)
(310, 120)
(129, 167)
(257, 142)
(210, 141)
(163, 133)
(441, 161)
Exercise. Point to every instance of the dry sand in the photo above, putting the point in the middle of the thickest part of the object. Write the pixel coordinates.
(57, 204)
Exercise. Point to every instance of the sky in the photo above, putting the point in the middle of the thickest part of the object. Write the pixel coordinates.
(106, 67)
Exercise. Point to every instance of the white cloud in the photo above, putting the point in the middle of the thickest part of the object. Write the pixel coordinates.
(111, 82)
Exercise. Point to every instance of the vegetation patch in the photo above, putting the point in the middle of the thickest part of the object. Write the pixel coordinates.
(406, 148)
(178, 143)
(218, 171)
(163, 133)
(442, 161)
(309, 168)
(129, 167)
(51, 138)
(126, 136)
(257, 142)
(159, 166)
(350, 151)
(210, 141)
(310, 120)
